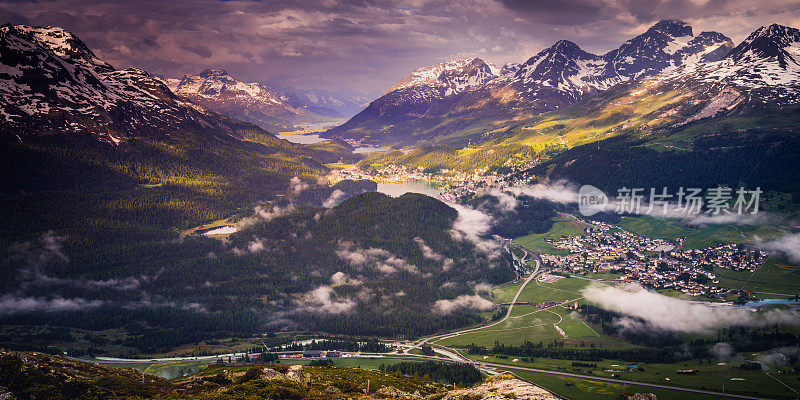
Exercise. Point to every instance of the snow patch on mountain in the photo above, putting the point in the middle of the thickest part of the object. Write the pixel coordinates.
(451, 77)
(765, 67)
(51, 82)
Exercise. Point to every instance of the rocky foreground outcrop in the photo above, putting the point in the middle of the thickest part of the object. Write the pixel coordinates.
(501, 387)
(638, 396)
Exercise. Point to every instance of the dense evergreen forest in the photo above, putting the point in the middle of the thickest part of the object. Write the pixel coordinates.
(769, 160)
(93, 236)
(373, 265)
(528, 215)
(90, 234)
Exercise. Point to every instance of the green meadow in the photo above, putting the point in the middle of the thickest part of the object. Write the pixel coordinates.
(709, 376)
(530, 323)
(562, 226)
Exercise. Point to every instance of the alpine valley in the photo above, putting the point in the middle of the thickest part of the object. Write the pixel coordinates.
(108, 173)
(216, 235)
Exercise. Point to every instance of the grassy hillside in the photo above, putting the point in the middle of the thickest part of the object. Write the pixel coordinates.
(333, 151)
(465, 159)
(630, 133)
(27, 376)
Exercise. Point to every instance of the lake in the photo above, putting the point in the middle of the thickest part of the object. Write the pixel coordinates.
(399, 188)
(303, 138)
(310, 138)
(368, 149)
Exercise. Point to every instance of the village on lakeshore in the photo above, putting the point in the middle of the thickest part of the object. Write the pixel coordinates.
(603, 247)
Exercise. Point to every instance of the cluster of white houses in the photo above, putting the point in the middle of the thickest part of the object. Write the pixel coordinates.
(655, 263)
(453, 183)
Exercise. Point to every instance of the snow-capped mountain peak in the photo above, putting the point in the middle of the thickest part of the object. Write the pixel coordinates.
(475, 73)
(763, 68)
(443, 74)
(51, 82)
(666, 44)
(553, 62)
(564, 67)
(217, 84)
(774, 42)
(217, 90)
(672, 27)
(61, 42)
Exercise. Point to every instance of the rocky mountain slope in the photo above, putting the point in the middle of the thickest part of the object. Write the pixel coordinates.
(217, 90)
(51, 82)
(452, 102)
(30, 375)
(499, 388)
(734, 120)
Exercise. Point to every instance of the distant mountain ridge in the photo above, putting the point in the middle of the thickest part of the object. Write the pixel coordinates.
(453, 76)
(217, 90)
(334, 104)
(553, 78)
(574, 72)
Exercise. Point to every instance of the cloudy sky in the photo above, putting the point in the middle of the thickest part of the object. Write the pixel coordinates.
(366, 45)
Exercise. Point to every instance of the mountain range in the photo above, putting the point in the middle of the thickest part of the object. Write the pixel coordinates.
(761, 73)
(334, 104)
(441, 103)
(269, 108)
(732, 121)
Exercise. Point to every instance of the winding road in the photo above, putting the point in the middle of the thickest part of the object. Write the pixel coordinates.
(452, 355)
(508, 314)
